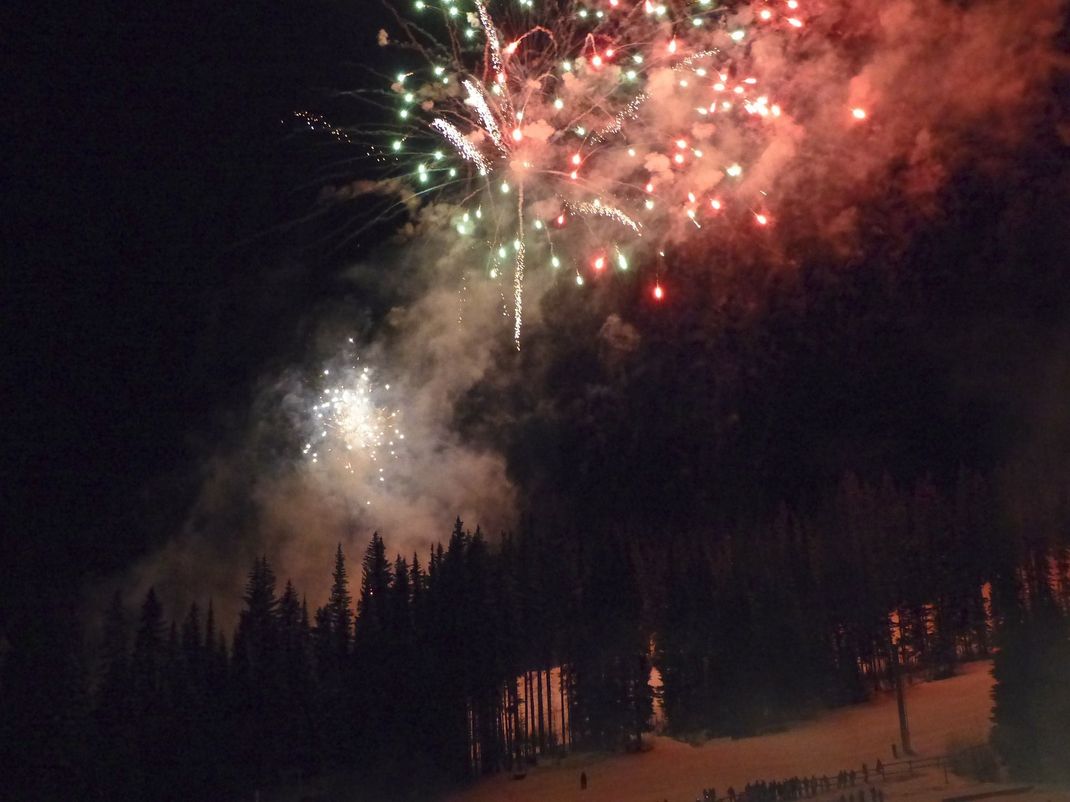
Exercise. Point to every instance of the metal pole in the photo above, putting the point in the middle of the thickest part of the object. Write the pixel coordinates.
(900, 701)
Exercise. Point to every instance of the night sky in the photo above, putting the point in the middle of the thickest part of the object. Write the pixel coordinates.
(156, 159)
(164, 264)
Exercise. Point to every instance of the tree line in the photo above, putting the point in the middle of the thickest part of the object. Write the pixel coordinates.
(488, 657)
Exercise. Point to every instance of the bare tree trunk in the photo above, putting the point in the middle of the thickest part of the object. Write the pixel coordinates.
(518, 739)
(529, 703)
(472, 738)
(542, 717)
(507, 741)
(571, 708)
(900, 701)
(550, 705)
(561, 687)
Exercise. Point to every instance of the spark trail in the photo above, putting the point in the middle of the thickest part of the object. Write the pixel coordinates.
(582, 129)
(554, 132)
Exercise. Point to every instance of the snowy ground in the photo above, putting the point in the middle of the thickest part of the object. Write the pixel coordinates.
(939, 712)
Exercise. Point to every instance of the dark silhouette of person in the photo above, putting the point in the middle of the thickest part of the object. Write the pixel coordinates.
(583, 781)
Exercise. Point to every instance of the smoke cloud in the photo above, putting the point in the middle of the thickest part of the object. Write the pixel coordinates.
(940, 88)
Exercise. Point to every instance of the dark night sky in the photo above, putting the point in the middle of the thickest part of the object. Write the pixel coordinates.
(155, 160)
(154, 280)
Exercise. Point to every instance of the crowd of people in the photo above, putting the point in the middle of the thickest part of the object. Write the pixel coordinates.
(796, 788)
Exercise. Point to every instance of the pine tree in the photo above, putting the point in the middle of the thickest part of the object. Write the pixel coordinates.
(340, 607)
(193, 648)
(417, 588)
(215, 653)
(46, 731)
(372, 671)
(334, 697)
(375, 582)
(289, 615)
(150, 672)
(258, 678)
(209, 628)
(612, 692)
(149, 652)
(258, 621)
(1032, 695)
(400, 595)
(297, 732)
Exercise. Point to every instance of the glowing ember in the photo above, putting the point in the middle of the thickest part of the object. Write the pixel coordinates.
(617, 74)
(698, 100)
(350, 427)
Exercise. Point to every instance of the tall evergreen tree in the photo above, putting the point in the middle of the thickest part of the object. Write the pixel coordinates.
(372, 673)
(1031, 695)
(257, 679)
(149, 651)
(340, 606)
(297, 729)
(193, 651)
(372, 606)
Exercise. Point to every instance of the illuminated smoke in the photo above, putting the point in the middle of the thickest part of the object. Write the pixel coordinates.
(660, 118)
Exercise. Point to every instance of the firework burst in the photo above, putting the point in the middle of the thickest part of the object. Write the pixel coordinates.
(351, 427)
(573, 130)
(546, 133)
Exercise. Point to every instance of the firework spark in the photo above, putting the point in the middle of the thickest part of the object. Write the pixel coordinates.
(465, 148)
(575, 129)
(598, 209)
(576, 115)
(350, 427)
